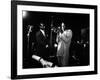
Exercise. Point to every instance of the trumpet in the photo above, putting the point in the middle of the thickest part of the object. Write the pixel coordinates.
(56, 29)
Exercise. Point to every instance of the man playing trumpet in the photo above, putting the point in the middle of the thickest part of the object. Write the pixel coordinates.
(63, 39)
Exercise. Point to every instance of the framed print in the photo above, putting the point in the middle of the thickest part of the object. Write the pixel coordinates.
(53, 39)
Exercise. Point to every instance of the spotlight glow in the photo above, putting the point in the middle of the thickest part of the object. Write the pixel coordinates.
(25, 14)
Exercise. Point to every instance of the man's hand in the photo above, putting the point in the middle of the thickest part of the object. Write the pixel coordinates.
(46, 46)
(43, 62)
(60, 34)
(55, 45)
(46, 63)
(49, 64)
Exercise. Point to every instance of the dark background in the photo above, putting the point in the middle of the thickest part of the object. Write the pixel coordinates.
(78, 23)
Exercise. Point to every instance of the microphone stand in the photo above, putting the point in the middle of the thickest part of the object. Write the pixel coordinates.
(51, 31)
(28, 36)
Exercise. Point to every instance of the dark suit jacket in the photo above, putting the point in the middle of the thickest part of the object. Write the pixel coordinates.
(41, 44)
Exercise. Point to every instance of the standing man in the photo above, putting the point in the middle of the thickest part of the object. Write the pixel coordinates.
(64, 40)
(42, 53)
(41, 41)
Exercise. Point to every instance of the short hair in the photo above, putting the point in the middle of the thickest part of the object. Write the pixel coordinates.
(41, 26)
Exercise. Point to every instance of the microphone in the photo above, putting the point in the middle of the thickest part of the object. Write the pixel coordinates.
(30, 29)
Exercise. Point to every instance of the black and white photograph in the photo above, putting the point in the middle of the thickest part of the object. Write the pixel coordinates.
(50, 39)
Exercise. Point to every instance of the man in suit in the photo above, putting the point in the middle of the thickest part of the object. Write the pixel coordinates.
(41, 41)
(42, 53)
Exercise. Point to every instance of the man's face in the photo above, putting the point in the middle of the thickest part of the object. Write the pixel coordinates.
(42, 26)
(63, 26)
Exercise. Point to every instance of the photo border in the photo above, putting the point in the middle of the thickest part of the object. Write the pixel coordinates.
(14, 38)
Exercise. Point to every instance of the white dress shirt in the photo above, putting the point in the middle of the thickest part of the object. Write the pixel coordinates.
(42, 32)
